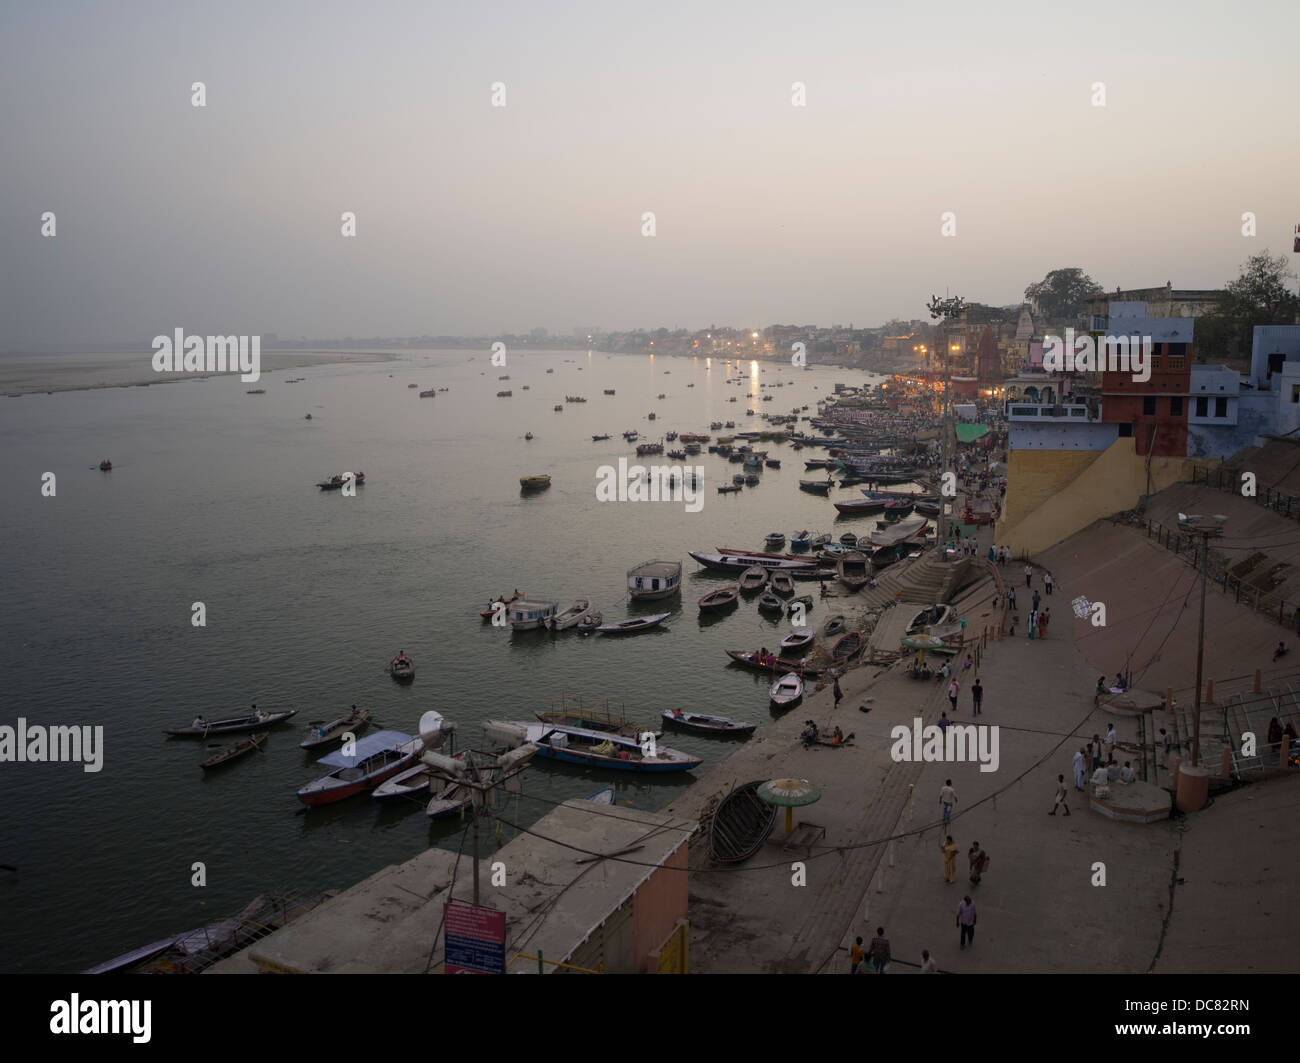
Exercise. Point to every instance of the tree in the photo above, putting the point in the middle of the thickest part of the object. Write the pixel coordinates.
(1063, 293)
(1259, 296)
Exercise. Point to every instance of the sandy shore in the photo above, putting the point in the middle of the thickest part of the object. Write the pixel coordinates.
(27, 374)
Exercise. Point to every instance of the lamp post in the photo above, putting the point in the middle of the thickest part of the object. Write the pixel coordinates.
(945, 310)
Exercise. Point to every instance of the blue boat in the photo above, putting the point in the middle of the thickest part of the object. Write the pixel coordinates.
(601, 749)
(801, 541)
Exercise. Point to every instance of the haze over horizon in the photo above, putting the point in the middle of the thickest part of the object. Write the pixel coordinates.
(474, 219)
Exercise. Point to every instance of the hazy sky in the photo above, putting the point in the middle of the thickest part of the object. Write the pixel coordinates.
(474, 219)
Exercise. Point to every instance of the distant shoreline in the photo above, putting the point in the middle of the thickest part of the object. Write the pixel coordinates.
(34, 374)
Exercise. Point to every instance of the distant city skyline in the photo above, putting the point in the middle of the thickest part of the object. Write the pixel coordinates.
(801, 164)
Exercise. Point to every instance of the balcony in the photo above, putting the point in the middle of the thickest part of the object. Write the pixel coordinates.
(1030, 411)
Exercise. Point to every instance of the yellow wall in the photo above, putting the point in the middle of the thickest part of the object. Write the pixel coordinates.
(1063, 494)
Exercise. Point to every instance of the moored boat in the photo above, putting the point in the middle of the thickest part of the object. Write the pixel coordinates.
(782, 584)
(105, 466)
(570, 616)
(786, 691)
(578, 745)
(740, 825)
(589, 624)
(527, 614)
(753, 578)
(801, 540)
(798, 639)
(653, 580)
(632, 626)
(847, 646)
(702, 723)
(374, 758)
(834, 626)
(775, 540)
(770, 603)
(816, 487)
(719, 599)
(534, 483)
(772, 663)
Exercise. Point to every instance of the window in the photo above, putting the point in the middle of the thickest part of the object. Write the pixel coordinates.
(1126, 431)
(1201, 406)
(1175, 406)
(1220, 407)
(1149, 404)
(1177, 350)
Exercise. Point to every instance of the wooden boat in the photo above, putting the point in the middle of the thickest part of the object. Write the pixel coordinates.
(929, 509)
(589, 624)
(786, 691)
(402, 668)
(451, 800)
(329, 733)
(753, 579)
(532, 483)
(847, 646)
(597, 439)
(225, 756)
(739, 561)
(848, 539)
(740, 825)
(596, 721)
(653, 580)
(377, 757)
(701, 723)
(719, 599)
(255, 722)
(834, 626)
(578, 745)
(773, 663)
(605, 796)
(751, 479)
(430, 394)
(816, 487)
(335, 483)
(570, 617)
(770, 603)
(801, 540)
(775, 540)
(798, 639)
(728, 489)
(895, 511)
(930, 616)
(782, 584)
(820, 541)
(859, 507)
(772, 463)
(408, 783)
(105, 466)
(631, 627)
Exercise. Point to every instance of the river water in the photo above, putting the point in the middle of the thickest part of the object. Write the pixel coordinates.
(308, 594)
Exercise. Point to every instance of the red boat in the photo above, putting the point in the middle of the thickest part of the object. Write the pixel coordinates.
(691, 437)
(375, 758)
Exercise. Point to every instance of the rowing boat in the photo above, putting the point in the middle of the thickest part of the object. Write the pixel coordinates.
(570, 617)
(740, 825)
(773, 664)
(702, 723)
(798, 639)
(225, 756)
(719, 599)
(847, 646)
(234, 724)
(782, 584)
(630, 627)
(786, 691)
(579, 745)
(753, 579)
(327, 734)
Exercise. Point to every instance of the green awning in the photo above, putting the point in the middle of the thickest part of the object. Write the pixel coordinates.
(968, 433)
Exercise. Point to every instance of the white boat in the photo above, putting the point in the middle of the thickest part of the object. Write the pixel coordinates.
(652, 580)
(570, 617)
(798, 639)
(786, 691)
(526, 615)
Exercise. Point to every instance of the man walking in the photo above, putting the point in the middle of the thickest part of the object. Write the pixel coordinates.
(1078, 770)
(838, 692)
(947, 798)
(966, 920)
(944, 722)
(1047, 581)
(977, 697)
(1037, 601)
(1108, 747)
(953, 689)
(879, 951)
(1060, 796)
(1011, 598)
(1029, 575)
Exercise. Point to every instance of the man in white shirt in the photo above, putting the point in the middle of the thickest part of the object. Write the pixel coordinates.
(1029, 575)
(947, 798)
(1078, 769)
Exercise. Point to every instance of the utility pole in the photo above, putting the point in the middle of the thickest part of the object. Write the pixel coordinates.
(945, 310)
(1205, 527)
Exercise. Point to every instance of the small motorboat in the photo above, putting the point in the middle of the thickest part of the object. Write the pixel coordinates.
(847, 646)
(328, 733)
(834, 626)
(770, 603)
(801, 540)
(720, 599)
(570, 617)
(430, 394)
(753, 579)
(105, 466)
(411, 782)
(225, 756)
(401, 668)
(816, 487)
(589, 624)
(786, 691)
(702, 723)
(336, 483)
(798, 639)
(783, 584)
(254, 722)
(636, 624)
(597, 439)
